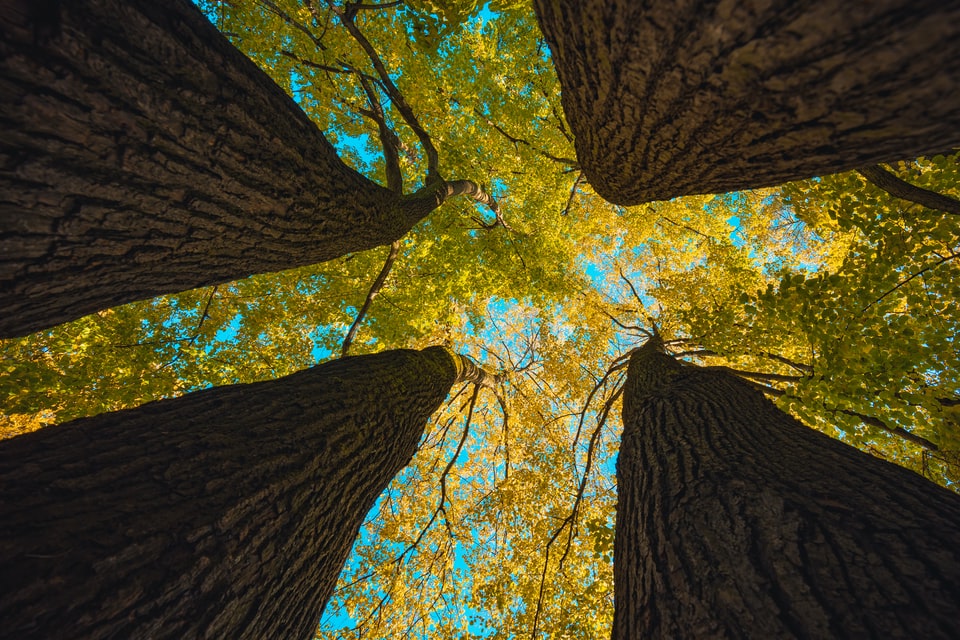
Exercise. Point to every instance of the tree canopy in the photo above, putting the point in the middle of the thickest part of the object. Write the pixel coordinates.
(834, 296)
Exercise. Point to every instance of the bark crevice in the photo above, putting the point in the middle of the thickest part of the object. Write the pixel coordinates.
(228, 512)
(734, 520)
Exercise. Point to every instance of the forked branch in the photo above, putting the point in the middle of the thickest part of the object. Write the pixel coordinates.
(433, 159)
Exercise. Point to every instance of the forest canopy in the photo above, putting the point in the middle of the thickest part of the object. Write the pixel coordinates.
(832, 295)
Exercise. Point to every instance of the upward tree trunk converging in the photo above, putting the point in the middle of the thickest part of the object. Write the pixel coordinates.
(143, 154)
(735, 521)
(699, 96)
(226, 513)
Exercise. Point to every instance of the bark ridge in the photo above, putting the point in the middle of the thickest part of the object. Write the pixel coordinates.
(225, 513)
(735, 521)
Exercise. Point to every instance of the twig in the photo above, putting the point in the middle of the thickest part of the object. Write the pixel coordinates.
(443, 477)
(388, 139)
(618, 365)
(687, 227)
(515, 140)
(758, 375)
(316, 65)
(354, 7)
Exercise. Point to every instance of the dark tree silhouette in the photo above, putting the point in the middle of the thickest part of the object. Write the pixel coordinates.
(736, 521)
(224, 513)
(143, 154)
(700, 96)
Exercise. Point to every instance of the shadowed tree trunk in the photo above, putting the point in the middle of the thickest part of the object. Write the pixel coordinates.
(143, 154)
(226, 513)
(701, 96)
(735, 521)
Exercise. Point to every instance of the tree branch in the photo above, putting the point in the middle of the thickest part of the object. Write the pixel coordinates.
(418, 205)
(443, 478)
(513, 139)
(317, 65)
(388, 139)
(433, 158)
(907, 280)
(898, 431)
(355, 7)
(293, 23)
(469, 371)
(371, 295)
(573, 193)
(758, 375)
(887, 181)
(868, 420)
(570, 520)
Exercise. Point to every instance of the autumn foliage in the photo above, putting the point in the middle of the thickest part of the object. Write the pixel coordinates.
(835, 298)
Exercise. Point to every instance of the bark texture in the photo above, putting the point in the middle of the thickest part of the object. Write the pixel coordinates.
(226, 513)
(143, 154)
(735, 521)
(702, 96)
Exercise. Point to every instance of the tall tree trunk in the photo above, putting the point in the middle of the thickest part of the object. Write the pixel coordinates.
(143, 154)
(226, 513)
(701, 96)
(735, 521)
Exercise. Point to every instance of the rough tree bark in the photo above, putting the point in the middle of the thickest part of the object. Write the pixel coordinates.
(703, 96)
(226, 513)
(735, 521)
(143, 154)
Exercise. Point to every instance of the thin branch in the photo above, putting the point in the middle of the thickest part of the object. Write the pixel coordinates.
(591, 448)
(758, 375)
(293, 23)
(898, 431)
(371, 295)
(869, 420)
(799, 366)
(570, 520)
(433, 158)
(506, 435)
(771, 391)
(355, 7)
(443, 477)
(618, 365)
(513, 139)
(573, 193)
(650, 334)
(917, 274)
(687, 227)
(889, 182)
(388, 139)
(625, 327)
(311, 63)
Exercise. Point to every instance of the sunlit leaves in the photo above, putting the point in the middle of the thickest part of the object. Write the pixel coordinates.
(844, 295)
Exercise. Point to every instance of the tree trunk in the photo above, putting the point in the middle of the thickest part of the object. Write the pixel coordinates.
(735, 521)
(226, 513)
(701, 96)
(143, 154)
